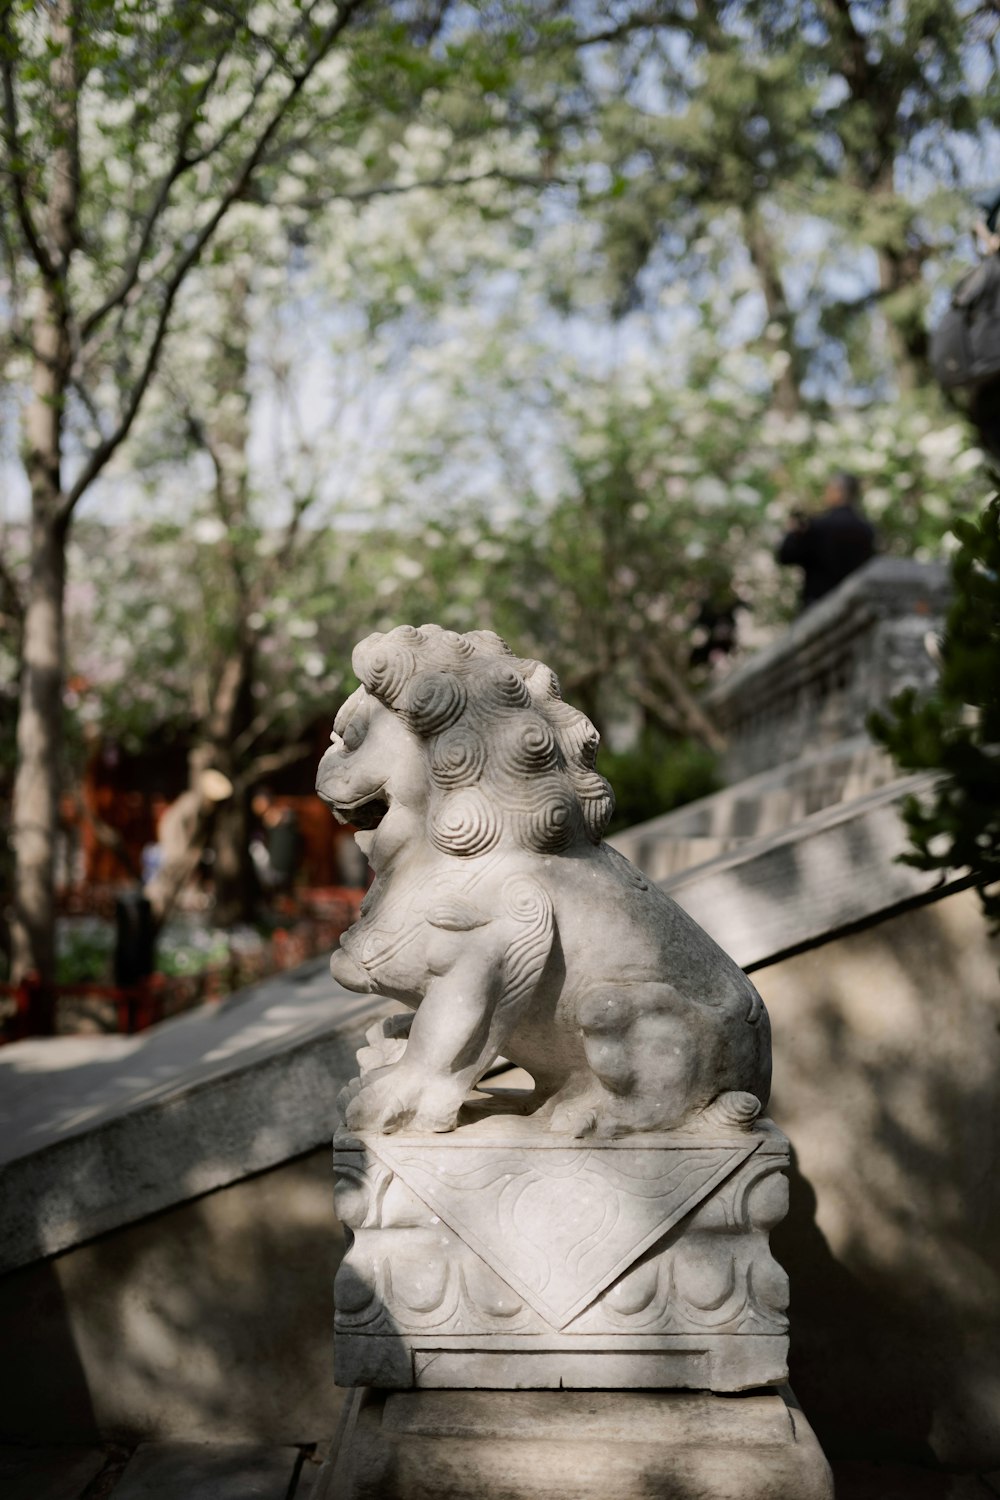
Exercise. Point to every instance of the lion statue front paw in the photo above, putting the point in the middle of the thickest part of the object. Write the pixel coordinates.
(396, 1100)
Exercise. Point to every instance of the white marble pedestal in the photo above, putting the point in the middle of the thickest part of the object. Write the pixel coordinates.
(574, 1445)
(528, 1316)
(501, 1258)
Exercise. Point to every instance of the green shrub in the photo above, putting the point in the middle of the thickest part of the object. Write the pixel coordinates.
(956, 729)
(657, 775)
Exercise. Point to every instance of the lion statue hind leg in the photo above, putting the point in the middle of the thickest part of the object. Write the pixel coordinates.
(644, 1049)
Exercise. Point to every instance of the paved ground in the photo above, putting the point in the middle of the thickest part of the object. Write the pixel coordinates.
(206, 1471)
(160, 1471)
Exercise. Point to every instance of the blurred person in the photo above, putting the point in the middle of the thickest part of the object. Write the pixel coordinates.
(275, 848)
(830, 546)
(715, 632)
(180, 846)
(965, 345)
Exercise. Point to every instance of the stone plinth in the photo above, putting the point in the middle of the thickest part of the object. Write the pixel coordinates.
(498, 1257)
(573, 1445)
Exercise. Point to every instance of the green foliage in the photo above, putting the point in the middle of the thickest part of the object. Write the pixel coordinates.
(655, 776)
(956, 730)
(187, 948)
(625, 307)
(85, 948)
(793, 131)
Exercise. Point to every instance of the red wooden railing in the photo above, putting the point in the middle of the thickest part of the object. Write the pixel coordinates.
(137, 1006)
(316, 920)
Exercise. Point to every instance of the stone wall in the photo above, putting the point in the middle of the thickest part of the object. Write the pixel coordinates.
(887, 1052)
(212, 1320)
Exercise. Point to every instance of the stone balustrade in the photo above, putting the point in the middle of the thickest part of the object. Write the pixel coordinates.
(845, 656)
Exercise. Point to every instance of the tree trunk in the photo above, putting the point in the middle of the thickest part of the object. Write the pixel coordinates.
(40, 711)
(907, 335)
(39, 756)
(787, 393)
(40, 722)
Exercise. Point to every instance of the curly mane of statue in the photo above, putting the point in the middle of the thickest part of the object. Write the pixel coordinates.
(500, 917)
(509, 761)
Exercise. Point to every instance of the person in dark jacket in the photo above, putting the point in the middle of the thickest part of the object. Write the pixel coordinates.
(276, 847)
(831, 545)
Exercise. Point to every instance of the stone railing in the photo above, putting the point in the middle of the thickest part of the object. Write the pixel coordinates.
(845, 656)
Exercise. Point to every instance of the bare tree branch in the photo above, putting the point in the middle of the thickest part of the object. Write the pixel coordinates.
(86, 400)
(259, 725)
(434, 184)
(182, 162)
(662, 673)
(100, 455)
(650, 19)
(268, 764)
(185, 160)
(201, 436)
(13, 151)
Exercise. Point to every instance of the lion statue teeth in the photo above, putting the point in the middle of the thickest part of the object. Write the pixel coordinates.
(499, 916)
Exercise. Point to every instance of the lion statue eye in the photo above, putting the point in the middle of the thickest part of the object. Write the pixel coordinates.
(354, 733)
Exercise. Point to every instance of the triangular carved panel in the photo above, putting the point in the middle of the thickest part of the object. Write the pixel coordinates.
(561, 1225)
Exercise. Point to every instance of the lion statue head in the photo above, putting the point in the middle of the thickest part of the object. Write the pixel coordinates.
(506, 761)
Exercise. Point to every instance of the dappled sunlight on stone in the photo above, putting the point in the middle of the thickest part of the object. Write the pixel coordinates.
(887, 1052)
(141, 1128)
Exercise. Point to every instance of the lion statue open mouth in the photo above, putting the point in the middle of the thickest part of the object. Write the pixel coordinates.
(501, 918)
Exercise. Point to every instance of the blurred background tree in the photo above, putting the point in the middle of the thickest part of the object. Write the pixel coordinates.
(542, 319)
(130, 135)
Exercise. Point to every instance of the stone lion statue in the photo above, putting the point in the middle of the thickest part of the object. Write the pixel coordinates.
(499, 916)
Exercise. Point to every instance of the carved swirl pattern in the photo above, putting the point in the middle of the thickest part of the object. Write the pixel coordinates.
(528, 903)
(547, 815)
(577, 735)
(504, 686)
(543, 684)
(441, 681)
(433, 701)
(527, 748)
(465, 823)
(458, 757)
(488, 643)
(462, 647)
(384, 666)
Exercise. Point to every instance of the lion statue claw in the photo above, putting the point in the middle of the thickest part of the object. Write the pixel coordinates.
(502, 920)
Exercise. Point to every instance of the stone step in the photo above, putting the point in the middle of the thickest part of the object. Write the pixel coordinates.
(208, 1471)
(48, 1473)
(836, 872)
(205, 1469)
(172, 1470)
(761, 805)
